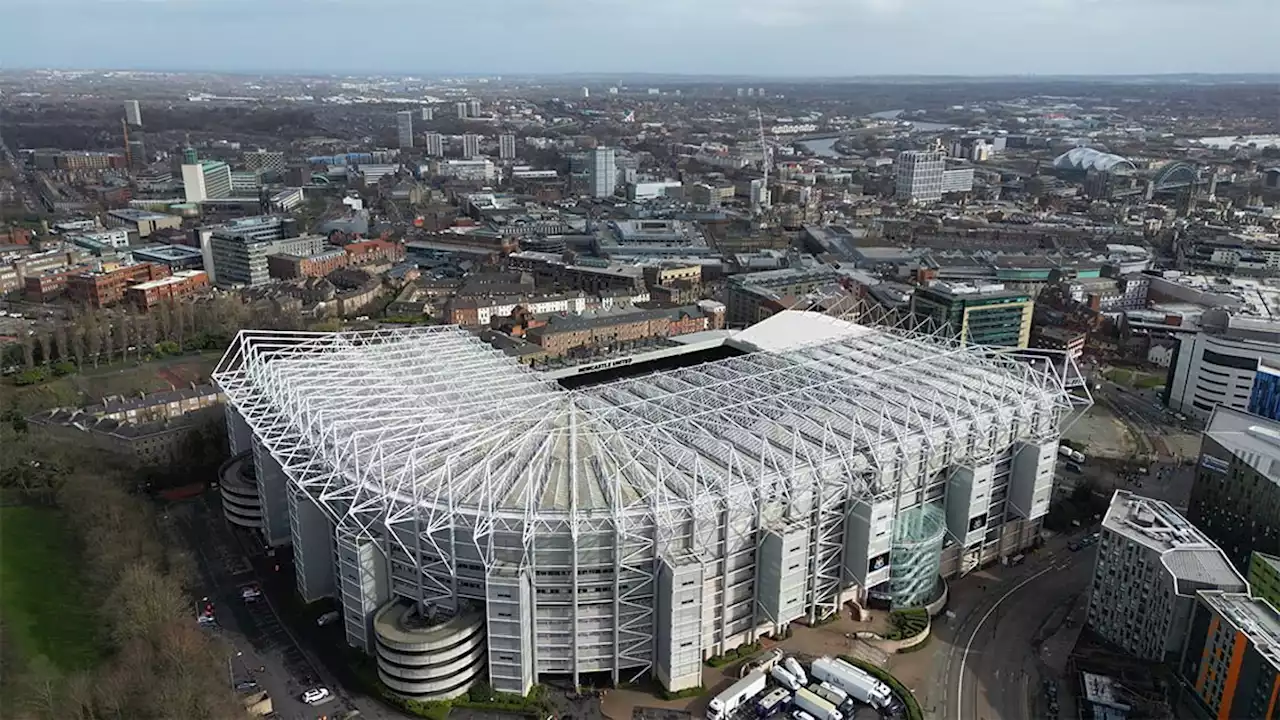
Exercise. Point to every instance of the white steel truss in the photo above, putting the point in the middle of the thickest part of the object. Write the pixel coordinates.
(424, 439)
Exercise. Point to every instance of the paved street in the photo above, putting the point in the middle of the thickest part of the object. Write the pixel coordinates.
(1002, 615)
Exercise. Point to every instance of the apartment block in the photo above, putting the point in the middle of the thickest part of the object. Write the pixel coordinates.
(288, 267)
(1151, 563)
(1264, 577)
(1231, 662)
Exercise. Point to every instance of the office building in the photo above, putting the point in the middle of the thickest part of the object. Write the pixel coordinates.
(1264, 397)
(142, 222)
(586, 93)
(181, 284)
(461, 109)
(428, 114)
(919, 176)
(602, 172)
(137, 152)
(177, 257)
(470, 146)
(1231, 662)
(507, 147)
(924, 177)
(625, 510)
(982, 314)
(238, 250)
(1219, 364)
(1235, 498)
(206, 180)
(404, 129)
(1264, 577)
(103, 288)
(473, 108)
(478, 169)
(132, 113)
(433, 145)
(190, 156)
(1151, 563)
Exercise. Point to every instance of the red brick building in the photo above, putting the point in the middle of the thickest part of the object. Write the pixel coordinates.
(374, 252)
(563, 335)
(104, 288)
(48, 285)
(288, 267)
(181, 284)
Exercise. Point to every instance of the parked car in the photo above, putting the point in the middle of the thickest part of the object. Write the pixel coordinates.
(250, 593)
(316, 695)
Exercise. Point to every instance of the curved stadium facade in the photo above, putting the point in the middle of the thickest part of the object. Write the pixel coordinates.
(476, 520)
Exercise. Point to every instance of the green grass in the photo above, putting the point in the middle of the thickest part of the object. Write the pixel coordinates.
(46, 614)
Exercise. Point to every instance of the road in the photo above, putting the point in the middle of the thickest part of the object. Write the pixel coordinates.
(992, 668)
(266, 650)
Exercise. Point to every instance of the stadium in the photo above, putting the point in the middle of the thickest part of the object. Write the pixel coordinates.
(478, 521)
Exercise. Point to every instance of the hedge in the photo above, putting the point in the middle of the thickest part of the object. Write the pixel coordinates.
(908, 623)
(682, 694)
(913, 706)
(739, 653)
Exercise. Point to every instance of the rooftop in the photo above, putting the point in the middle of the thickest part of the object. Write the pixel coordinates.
(1252, 438)
(136, 215)
(1254, 617)
(177, 277)
(432, 417)
(1188, 554)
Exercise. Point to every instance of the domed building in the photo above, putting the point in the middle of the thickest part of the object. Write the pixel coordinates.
(1084, 159)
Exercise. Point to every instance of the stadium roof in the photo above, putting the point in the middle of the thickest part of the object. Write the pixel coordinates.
(432, 418)
(1083, 158)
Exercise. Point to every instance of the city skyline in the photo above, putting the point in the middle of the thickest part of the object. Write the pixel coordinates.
(712, 37)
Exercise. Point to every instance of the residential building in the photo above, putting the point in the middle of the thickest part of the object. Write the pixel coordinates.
(552, 269)
(142, 222)
(181, 284)
(569, 334)
(151, 430)
(102, 288)
(288, 267)
(602, 172)
(470, 146)
(1151, 563)
(404, 129)
(433, 144)
(981, 314)
(476, 310)
(374, 252)
(1218, 365)
(428, 114)
(753, 297)
(475, 169)
(206, 180)
(132, 113)
(1235, 498)
(461, 109)
(265, 160)
(1264, 577)
(507, 147)
(473, 108)
(1231, 662)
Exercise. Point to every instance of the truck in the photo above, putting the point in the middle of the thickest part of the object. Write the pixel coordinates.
(773, 703)
(793, 667)
(816, 706)
(831, 693)
(785, 678)
(739, 693)
(859, 684)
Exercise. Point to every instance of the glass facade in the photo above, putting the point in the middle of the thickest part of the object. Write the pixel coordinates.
(1265, 398)
(916, 555)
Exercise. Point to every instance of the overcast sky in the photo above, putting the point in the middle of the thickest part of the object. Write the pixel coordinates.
(755, 37)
